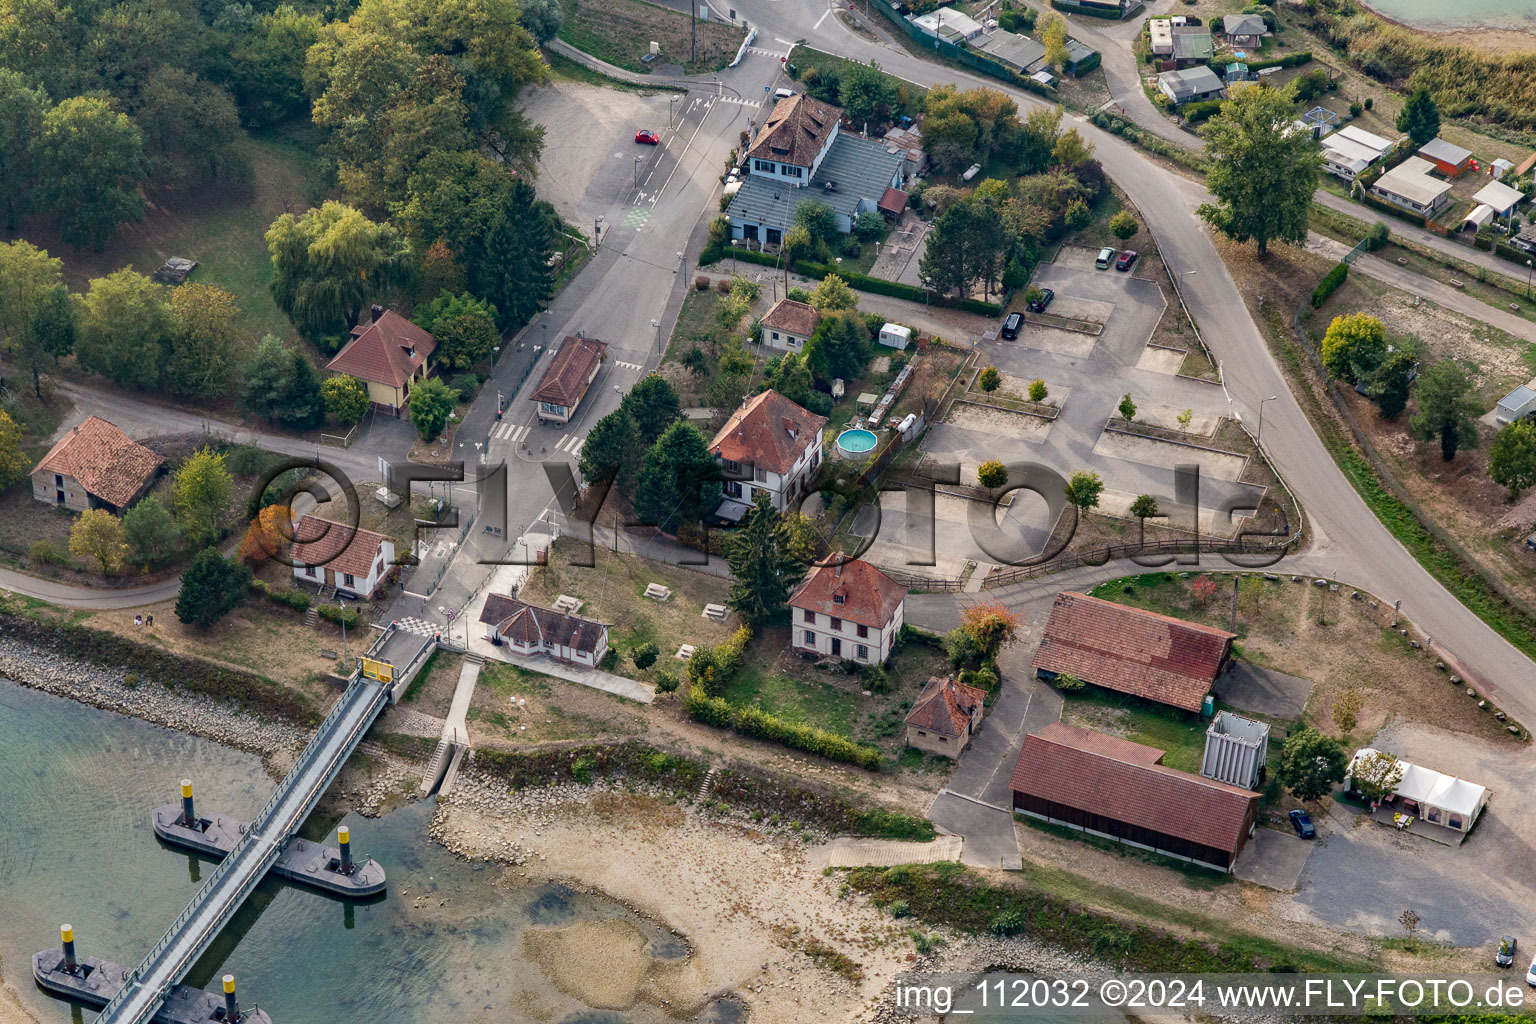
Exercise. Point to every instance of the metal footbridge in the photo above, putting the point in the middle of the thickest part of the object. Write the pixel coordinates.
(237, 875)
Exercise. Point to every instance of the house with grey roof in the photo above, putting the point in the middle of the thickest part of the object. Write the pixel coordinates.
(800, 155)
(1191, 85)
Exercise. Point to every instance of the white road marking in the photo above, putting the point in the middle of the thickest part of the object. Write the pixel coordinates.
(819, 20)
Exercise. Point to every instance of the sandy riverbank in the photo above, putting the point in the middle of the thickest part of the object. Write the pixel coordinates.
(1489, 40)
(11, 1010)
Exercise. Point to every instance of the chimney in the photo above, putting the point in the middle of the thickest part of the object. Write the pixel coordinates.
(376, 311)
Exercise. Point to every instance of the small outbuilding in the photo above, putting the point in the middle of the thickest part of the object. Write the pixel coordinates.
(1244, 31)
(1447, 158)
(1236, 749)
(789, 325)
(566, 380)
(895, 336)
(95, 465)
(1518, 404)
(944, 717)
(1191, 85)
(1499, 198)
(1160, 36)
(528, 630)
(341, 558)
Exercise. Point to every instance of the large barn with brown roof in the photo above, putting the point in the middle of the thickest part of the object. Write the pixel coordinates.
(568, 377)
(95, 465)
(388, 354)
(1133, 651)
(1118, 789)
(848, 610)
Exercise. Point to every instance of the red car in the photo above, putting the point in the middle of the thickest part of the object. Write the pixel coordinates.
(1127, 259)
(648, 137)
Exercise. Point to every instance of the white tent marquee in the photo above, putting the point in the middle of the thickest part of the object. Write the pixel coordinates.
(1438, 798)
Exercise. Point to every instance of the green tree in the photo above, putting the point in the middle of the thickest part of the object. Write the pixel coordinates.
(791, 377)
(677, 483)
(282, 386)
(98, 534)
(993, 192)
(1376, 775)
(1144, 507)
(1038, 392)
(345, 398)
(89, 164)
(763, 570)
(843, 339)
(464, 326)
(21, 120)
(1447, 408)
(1354, 346)
(14, 461)
(328, 263)
(966, 246)
(201, 491)
(1052, 30)
(1420, 117)
(431, 405)
(1262, 173)
(989, 380)
(817, 218)
(1071, 150)
(991, 473)
(37, 317)
(1390, 383)
(1346, 710)
(268, 65)
(950, 139)
(833, 294)
(654, 404)
(1083, 489)
(123, 326)
(1310, 763)
(1184, 417)
(211, 588)
(643, 655)
(866, 94)
(201, 343)
(150, 532)
(1123, 225)
(190, 127)
(613, 448)
(1512, 457)
(1126, 408)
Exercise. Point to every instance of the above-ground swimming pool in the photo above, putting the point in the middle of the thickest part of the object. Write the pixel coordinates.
(857, 441)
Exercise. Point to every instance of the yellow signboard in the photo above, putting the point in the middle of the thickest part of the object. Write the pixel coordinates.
(383, 671)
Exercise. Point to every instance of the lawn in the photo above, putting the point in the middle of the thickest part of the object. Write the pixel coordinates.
(1180, 734)
(222, 227)
(621, 31)
(515, 703)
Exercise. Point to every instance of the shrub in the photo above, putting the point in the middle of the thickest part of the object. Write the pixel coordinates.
(1377, 237)
(643, 655)
(609, 659)
(1356, 109)
(723, 286)
(984, 678)
(759, 724)
(1037, 390)
(876, 679)
(581, 770)
(44, 553)
(1329, 284)
(899, 908)
(667, 682)
(1007, 922)
(1123, 225)
(1370, 101)
(338, 615)
(466, 384)
(287, 597)
(1066, 682)
(701, 283)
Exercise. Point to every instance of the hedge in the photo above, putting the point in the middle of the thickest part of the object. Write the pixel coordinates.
(288, 597)
(861, 282)
(340, 616)
(117, 653)
(1198, 111)
(1290, 60)
(1392, 208)
(1509, 252)
(759, 724)
(521, 770)
(1093, 12)
(1329, 284)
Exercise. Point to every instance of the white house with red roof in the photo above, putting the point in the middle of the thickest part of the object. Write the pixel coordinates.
(847, 610)
(769, 444)
(567, 378)
(388, 354)
(343, 558)
(528, 630)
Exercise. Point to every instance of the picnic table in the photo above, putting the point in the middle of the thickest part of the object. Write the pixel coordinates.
(1401, 820)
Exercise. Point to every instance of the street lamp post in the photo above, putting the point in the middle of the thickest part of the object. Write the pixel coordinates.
(1259, 440)
(597, 231)
(638, 158)
(670, 102)
(657, 325)
(494, 350)
(680, 264)
(1527, 279)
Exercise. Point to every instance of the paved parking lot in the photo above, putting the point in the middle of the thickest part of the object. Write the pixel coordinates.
(1273, 859)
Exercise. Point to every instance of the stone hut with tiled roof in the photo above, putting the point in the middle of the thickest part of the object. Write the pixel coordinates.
(769, 444)
(341, 558)
(944, 717)
(1133, 651)
(849, 610)
(528, 630)
(1118, 789)
(388, 354)
(789, 325)
(95, 465)
(567, 378)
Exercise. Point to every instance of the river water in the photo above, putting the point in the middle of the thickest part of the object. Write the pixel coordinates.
(76, 787)
(1462, 15)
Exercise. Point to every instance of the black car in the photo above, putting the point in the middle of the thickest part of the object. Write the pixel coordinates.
(1301, 821)
(1505, 957)
(1038, 305)
(1011, 325)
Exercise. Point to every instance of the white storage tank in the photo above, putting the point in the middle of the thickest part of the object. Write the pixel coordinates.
(895, 336)
(1235, 750)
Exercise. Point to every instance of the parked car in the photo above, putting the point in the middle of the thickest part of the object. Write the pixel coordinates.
(1011, 325)
(1505, 957)
(1530, 973)
(1038, 305)
(1127, 260)
(1106, 257)
(1301, 821)
(647, 136)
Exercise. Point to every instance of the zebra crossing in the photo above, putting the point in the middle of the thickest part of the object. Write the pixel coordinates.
(570, 444)
(513, 433)
(741, 101)
(764, 53)
(509, 431)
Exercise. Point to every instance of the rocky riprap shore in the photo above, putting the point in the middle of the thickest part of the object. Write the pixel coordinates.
(128, 695)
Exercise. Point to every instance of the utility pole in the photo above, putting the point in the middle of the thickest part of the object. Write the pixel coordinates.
(693, 31)
(1234, 602)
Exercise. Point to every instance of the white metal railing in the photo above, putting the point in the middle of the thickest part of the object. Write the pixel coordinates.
(334, 751)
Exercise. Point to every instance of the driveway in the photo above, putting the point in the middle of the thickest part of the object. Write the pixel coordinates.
(1273, 859)
(1263, 691)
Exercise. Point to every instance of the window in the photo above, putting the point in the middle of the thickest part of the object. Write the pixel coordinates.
(732, 488)
(837, 624)
(921, 733)
(863, 632)
(762, 476)
(552, 409)
(810, 639)
(346, 580)
(863, 653)
(943, 739)
(58, 480)
(309, 571)
(838, 598)
(810, 616)
(775, 335)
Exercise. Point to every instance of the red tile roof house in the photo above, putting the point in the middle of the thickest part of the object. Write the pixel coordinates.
(95, 465)
(569, 375)
(1153, 656)
(944, 717)
(387, 354)
(348, 560)
(789, 325)
(529, 630)
(769, 444)
(1114, 788)
(847, 610)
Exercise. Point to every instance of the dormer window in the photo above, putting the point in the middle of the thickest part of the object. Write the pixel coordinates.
(838, 599)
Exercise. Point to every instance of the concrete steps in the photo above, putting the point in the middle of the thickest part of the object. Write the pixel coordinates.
(707, 785)
(436, 767)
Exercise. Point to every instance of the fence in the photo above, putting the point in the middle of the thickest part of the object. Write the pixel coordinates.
(340, 440)
(964, 54)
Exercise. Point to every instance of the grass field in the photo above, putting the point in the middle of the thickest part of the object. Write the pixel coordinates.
(1181, 735)
(621, 31)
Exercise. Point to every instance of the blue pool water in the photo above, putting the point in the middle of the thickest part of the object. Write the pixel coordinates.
(856, 441)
